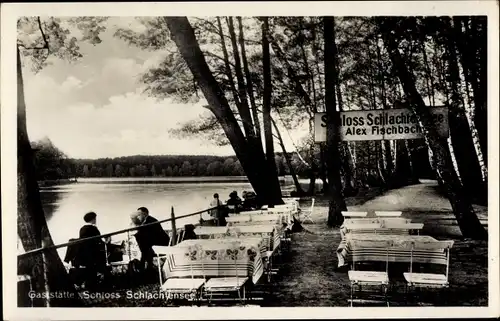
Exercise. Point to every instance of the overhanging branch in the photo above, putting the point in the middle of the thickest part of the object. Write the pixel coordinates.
(44, 37)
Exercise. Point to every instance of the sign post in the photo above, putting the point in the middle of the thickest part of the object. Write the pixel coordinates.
(381, 124)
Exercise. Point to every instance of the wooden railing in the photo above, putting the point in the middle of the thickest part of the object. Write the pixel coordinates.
(172, 219)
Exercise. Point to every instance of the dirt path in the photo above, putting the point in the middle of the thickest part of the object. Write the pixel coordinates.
(419, 198)
(420, 202)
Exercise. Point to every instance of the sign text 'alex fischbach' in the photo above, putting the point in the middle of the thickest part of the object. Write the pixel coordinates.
(380, 124)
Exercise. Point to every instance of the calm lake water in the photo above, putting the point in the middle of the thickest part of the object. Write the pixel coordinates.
(114, 199)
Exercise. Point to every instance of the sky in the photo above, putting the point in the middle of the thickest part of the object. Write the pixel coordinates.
(96, 107)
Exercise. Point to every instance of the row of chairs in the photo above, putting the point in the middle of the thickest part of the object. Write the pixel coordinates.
(206, 287)
(370, 251)
(195, 288)
(351, 214)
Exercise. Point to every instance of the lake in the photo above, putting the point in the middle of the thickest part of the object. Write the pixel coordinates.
(114, 199)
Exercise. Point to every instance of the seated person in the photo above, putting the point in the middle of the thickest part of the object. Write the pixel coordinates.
(189, 233)
(149, 236)
(234, 203)
(250, 201)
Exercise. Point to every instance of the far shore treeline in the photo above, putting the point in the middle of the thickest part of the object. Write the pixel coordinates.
(52, 164)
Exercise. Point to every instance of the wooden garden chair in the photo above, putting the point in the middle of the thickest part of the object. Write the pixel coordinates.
(186, 287)
(307, 214)
(228, 284)
(429, 280)
(369, 279)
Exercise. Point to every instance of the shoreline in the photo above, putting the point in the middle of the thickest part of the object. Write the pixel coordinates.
(153, 180)
(52, 182)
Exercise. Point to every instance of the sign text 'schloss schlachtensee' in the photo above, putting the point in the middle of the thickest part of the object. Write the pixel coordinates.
(381, 124)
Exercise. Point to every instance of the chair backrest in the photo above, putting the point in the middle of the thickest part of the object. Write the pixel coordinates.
(235, 248)
(180, 235)
(266, 217)
(402, 225)
(434, 245)
(388, 213)
(437, 245)
(364, 226)
(239, 218)
(278, 210)
(250, 213)
(394, 220)
(364, 249)
(286, 205)
(366, 220)
(165, 250)
(354, 214)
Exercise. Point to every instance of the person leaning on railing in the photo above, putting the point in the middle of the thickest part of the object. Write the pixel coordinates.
(148, 236)
(219, 212)
(92, 253)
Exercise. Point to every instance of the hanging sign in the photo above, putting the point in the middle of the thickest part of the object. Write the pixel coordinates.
(381, 124)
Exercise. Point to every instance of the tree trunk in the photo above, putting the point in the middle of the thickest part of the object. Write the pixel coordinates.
(347, 165)
(468, 51)
(46, 270)
(254, 165)
(337, 202)
(410, 146)
(461, 134)
(403, 172)
(311, 190)
(240, 94)
(245, 114)
(288, 160)
(249, 85)
(266, 107)
(468, 222)
(227, 66)
(323, 169)
(379, 163)
(481, 111)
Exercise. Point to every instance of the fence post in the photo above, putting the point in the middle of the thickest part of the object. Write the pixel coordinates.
(174, 229)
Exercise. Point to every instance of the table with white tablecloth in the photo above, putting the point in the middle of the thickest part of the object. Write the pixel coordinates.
(215, 258)
(209, 232)
(400, 251)
(269, 233)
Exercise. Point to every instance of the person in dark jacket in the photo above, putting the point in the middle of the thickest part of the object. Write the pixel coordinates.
(189, 233)
(250, 201)
(91, 253)
(234, 203)
(149, 236)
